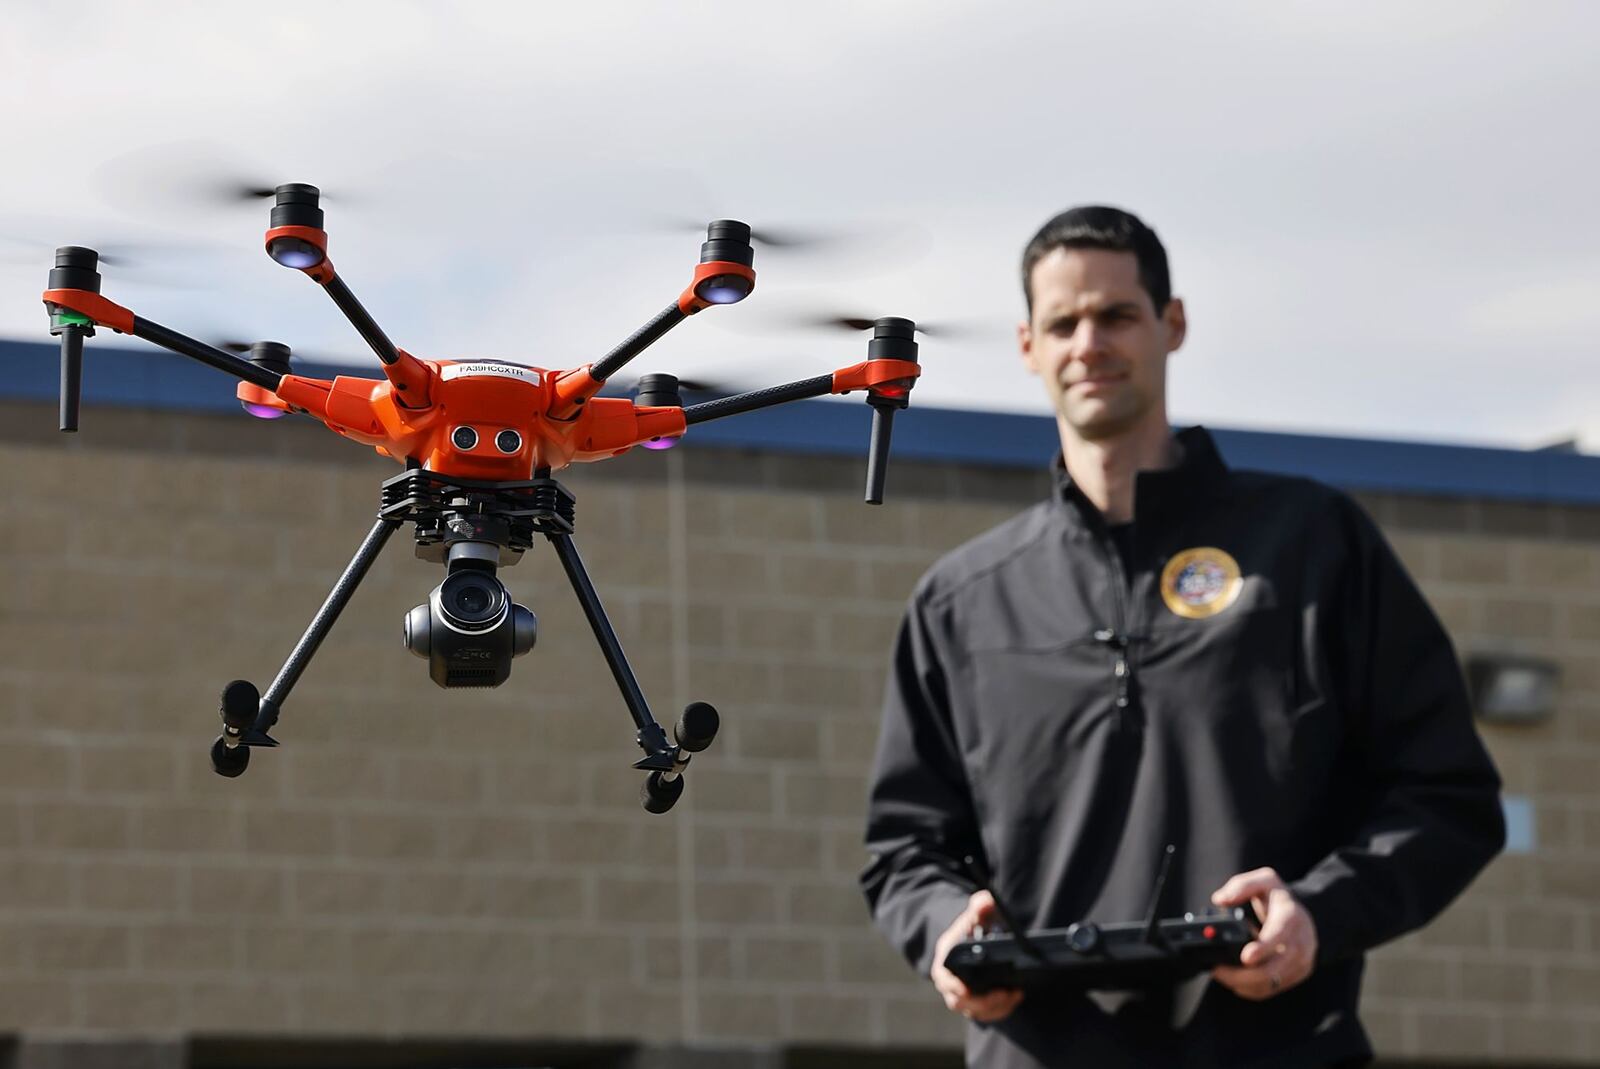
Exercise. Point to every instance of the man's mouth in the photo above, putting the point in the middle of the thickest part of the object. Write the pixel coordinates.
(1092, 381)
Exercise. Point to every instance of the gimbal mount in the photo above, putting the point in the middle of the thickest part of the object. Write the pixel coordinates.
(470, 434)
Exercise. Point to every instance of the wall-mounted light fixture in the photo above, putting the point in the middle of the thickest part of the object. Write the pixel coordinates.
(1510, 689)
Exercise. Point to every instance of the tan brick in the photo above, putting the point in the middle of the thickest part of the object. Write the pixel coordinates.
(649, 1013)
(779, 849)
(819, 577)
(1519, 618)
(772, 518)
(622, 900)
(864, 959)
(666, 958)
(289, 832)
(253, 892)
(838, 904)
(1555, 565)
(624, 841)
(922, 1022)
(422, 780)
(728, 573)
(811, 795)
(592, 954)
(213, 1000)
(1541, 1037)
(731, 1013)
(1500, 983)
(489, 837)
(187, 829)
(61, 947)
(526, 898)
(339, 773)
(778, 960)
(1569, 878)
(779, 630)
(776, 738)
(527, 781)
(557, 1009)
(187, 948)
(1453, 1034)
(389, 836)
(285, 948)
(734, 902)
(1580, 623)
(1573, 985)
(723, 790)
(892, 581)
(79, 826)
(1545, 928)
(139, 770)
(825, 685)
(1464, 559)
(830, 1019)
(32, 882)
(713, 847)
(36, 1003)
(862, 634)
(35, 766)
(340, 1009)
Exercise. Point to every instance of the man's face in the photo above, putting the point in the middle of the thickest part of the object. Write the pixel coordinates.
(1097, 343)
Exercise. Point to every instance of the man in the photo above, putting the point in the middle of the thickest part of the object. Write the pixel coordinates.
(1167, 651)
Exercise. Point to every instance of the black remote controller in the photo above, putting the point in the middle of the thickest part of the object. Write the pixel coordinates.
(1088, 956)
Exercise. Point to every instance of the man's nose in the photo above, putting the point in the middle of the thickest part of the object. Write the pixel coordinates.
(1088, 341)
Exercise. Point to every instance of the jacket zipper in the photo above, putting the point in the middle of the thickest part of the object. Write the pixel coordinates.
(1117, 638)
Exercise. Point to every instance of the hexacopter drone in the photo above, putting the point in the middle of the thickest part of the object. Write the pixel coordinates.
(479, 441)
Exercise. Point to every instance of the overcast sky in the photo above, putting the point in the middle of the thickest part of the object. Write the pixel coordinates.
(1383, 216)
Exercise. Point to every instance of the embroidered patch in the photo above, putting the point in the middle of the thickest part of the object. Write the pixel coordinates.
(1200, 582)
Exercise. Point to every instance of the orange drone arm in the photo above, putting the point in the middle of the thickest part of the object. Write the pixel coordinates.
(889, 377)
(105, 313)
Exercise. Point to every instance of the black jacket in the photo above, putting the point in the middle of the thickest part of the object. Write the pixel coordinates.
(1317, 724)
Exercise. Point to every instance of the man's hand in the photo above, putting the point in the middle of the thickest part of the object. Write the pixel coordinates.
(1285, 950)
(990, 1006)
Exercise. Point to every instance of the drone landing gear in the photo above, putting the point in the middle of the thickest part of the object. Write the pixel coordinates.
(246, 716)
(694, 730)
(448, 512)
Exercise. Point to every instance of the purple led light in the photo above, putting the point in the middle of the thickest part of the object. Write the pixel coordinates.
(660, 443)
(263, 411)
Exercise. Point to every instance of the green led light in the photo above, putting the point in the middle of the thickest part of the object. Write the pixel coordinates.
(65, 318)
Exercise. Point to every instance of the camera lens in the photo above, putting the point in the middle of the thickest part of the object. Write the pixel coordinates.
(464, 437)
(508, 441)
(472, 601)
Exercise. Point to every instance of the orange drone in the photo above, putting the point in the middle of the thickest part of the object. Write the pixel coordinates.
(479, 440)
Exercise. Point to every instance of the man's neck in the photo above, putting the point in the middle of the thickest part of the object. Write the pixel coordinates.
(1104, 469)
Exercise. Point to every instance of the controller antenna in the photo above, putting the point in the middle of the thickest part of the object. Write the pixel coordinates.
(1152, 931)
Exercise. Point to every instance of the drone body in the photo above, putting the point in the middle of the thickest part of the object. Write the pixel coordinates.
(479, 440)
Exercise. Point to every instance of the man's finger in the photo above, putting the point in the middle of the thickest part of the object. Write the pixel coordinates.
(1245, 886)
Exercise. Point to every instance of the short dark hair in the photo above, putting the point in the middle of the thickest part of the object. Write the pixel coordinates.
(1098, 227)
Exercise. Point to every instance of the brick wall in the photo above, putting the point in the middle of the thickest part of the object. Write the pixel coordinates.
(421, 865)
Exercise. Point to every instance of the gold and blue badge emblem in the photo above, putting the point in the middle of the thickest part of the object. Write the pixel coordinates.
(1200, 582)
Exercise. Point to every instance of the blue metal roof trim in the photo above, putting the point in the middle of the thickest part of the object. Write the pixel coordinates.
(150, 378)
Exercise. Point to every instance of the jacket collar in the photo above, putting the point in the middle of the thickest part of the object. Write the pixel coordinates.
(1154, 492)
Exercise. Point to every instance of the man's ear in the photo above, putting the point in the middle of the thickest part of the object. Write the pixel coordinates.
(1025, 346)
(1177, 321)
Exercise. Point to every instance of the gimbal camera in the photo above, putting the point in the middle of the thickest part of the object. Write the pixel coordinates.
(479, 441)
